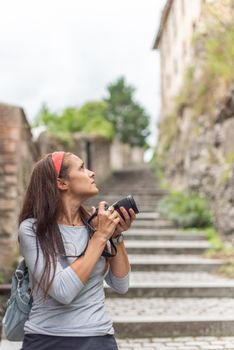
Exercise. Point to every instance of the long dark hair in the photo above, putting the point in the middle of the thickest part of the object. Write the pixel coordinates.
(43, 202)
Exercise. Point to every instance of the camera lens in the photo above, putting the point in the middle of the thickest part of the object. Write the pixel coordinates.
(133, 204)
(126, 202)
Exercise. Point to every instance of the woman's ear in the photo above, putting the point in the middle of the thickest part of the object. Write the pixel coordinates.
(62, 184)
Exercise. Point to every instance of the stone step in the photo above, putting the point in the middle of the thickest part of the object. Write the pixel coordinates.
(137, 196)
(8, 345)
(176, 343)
(140, 199)
(172, 317)
(172, 262)
(157, 224)
(166, 247)
(149, 216)
(162, 234)
(176, 284)
(141, 188)
(150, 201)
(143, 206)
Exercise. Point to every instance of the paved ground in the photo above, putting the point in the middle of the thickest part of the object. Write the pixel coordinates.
(185, 343)
(188, 343)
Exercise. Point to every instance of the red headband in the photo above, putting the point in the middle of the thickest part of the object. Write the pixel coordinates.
(57, 158)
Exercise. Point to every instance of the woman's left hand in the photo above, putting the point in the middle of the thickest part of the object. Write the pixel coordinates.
(124, 225)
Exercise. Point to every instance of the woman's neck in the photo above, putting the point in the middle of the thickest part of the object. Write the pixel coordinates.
(70, 219)
(71, 214)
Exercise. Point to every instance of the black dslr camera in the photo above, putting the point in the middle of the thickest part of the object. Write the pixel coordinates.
(126, 202)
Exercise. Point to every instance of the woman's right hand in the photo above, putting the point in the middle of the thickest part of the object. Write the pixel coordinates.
(107, 220)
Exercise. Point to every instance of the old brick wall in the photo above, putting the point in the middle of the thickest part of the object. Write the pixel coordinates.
(17, 156)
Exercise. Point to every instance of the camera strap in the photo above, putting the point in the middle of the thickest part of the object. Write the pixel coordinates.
(92, 230)
(107, 254)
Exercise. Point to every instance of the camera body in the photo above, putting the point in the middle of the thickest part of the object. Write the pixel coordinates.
(126, 202)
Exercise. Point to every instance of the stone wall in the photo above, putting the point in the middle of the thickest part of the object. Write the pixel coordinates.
(123, 155)
(18, 154)
(195, 146)
(94, 150)
(201, 158)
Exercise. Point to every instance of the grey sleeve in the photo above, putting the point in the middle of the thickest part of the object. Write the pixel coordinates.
(119, 284)
(66, 284)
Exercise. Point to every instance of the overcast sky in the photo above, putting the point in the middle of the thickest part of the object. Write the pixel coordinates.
(65, 52)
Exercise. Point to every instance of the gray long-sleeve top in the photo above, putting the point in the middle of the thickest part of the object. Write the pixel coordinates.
(71, 308)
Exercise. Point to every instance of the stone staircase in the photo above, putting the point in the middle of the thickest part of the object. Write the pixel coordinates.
(176, 301)
(174, 290)
(138, 182)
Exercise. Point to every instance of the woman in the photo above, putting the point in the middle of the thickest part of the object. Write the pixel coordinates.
(66, 267)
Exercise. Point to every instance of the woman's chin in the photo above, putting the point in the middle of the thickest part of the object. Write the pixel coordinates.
(97, 191)
(94, 191)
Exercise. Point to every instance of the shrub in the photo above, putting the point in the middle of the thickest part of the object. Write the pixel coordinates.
(186, 209)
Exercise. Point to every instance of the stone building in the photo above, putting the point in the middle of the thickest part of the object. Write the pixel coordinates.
(195, 145)
(179, 22)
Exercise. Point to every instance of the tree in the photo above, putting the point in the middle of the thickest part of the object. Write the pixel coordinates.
(90, 118)
(130, 121)
(93, 119)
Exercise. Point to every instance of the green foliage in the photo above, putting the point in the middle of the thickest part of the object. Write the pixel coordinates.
(213, 237)
(219, 53)
(159, 172)
(227, 269)
(101, 127)
(183, 98)
(1, 278)
(93, 120)
(214, 62)
(130, 121)
(228, 167)
(186, 209)
(59, 125)
(168, 132)
(216, 55)
(117, 116)
(90, 118)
